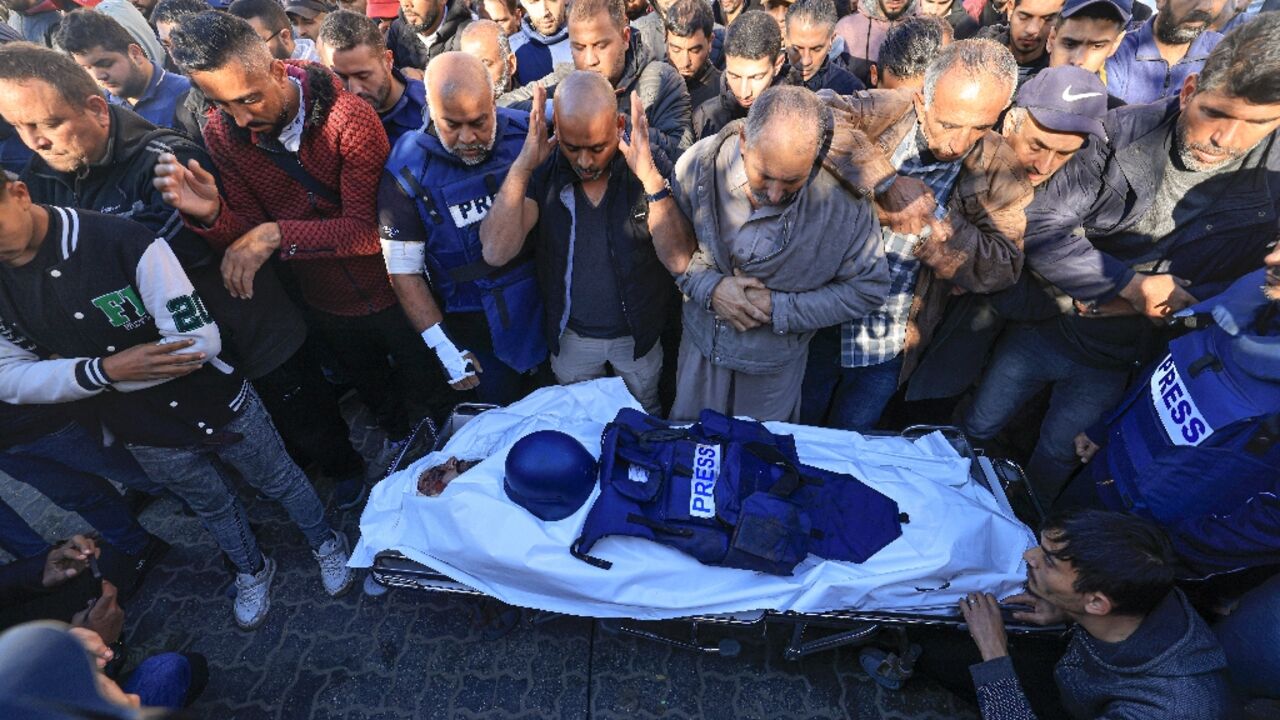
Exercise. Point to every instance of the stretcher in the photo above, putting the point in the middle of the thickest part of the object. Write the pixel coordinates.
(401, 554)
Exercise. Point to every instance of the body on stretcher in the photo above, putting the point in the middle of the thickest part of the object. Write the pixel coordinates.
(396, 540)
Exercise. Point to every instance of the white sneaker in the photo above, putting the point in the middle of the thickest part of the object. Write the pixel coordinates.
(253, 595)
(332, 556)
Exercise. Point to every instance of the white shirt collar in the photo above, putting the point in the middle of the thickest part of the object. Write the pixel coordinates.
(291, 134)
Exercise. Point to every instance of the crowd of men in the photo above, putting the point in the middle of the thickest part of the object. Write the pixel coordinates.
(216, 218)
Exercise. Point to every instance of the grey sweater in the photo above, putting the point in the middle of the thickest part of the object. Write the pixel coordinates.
(1170, 668)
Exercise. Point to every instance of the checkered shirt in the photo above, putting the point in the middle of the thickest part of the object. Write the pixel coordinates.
(879, 336)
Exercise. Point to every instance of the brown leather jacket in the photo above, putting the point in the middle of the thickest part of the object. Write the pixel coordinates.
(983, 252)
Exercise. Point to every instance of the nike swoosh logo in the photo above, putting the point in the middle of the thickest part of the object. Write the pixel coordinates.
(1068, 96)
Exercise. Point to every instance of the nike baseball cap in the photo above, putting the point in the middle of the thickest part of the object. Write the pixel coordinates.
(1124, 7)
(1066, 99)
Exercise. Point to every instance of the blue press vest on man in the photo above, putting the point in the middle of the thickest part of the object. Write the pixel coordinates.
(1197, 438)
(452, 198)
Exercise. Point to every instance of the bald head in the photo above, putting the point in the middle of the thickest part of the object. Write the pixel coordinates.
(588, 124)
(485, 41)
(585, 94)
(460, 97)
(455, 74)
(785, 116)
(480, 31)
(780, 143)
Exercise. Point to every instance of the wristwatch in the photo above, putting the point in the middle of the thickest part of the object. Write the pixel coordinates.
(662, 194)
(884, 185)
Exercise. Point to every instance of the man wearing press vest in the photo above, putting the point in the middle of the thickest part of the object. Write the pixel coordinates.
(438, 186)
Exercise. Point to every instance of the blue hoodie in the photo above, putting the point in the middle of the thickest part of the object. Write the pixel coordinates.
(538, 54)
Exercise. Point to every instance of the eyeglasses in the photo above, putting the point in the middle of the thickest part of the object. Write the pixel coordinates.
(272, 36)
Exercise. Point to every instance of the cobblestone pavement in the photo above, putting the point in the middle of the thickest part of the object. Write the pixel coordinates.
(408, 654)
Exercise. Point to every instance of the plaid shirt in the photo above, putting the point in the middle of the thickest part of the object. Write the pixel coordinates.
(879, 336)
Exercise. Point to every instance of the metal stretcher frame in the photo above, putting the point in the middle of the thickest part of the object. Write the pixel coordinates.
(391, 569)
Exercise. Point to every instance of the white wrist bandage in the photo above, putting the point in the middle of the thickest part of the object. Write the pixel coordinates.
(457, 367)
(404, 258)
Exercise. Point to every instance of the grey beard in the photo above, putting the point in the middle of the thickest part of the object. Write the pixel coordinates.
(502, 85)
(1190, 161)
(456, 151)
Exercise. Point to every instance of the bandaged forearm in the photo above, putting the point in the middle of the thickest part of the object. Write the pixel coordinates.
(456, 366)
(404, 258)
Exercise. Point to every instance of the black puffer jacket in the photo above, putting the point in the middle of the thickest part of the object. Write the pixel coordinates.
(407, 49)
(662, 93)
(719, 111)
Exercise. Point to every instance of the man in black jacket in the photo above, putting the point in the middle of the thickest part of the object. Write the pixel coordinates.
(1137, 649)
(1026, 34)
(102, 158)
(811, 28)
(753, 63)
(690, 36)
(952, 11)
(603, 211)
(96, 308)
(425, 29)
(602, 42)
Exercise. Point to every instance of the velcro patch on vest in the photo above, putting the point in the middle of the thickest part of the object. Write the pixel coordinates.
(702, 484)
(471, 212)
(1183, 422)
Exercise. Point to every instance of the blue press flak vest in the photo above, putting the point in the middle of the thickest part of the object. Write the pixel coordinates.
(1198, 435)
(452, 199)
(729, 492)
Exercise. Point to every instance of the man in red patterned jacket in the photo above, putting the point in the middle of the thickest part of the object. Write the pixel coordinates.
(299, 160)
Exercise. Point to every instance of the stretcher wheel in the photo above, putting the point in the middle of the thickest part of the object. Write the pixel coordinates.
(372, 587)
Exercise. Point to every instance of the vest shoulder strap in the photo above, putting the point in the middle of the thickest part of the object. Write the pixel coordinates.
(415, 191)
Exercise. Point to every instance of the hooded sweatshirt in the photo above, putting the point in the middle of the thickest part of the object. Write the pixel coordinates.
(538, 54)
(864, 32)
(1170, 667)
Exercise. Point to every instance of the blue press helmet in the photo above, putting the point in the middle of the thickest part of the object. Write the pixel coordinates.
(549, 474)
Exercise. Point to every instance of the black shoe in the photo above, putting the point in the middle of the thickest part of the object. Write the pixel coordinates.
(144, 563)
(349, 493)
(137, 501)
(199, 677)
(127, 571)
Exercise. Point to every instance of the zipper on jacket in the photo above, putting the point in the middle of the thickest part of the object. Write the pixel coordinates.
(368, 303)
